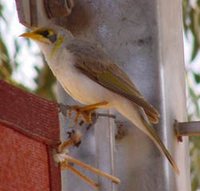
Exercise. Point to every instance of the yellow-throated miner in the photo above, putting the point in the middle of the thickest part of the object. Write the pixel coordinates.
(89, 76)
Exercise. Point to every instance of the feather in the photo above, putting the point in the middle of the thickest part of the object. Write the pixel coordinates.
(94, 63)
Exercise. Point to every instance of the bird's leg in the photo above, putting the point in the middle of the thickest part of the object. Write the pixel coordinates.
(86, 111)
(74, 140)
(93, 106)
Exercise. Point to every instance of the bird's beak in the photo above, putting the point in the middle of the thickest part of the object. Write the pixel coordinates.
(35, 36)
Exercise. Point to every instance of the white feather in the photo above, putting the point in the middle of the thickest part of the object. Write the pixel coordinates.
(77, 85)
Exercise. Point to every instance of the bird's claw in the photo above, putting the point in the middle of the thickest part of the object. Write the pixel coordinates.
(86, 113)
(81, 112)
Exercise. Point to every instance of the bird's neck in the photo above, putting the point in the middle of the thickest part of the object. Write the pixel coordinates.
(61, 59)
(57, 45)
(45, 49)
(50, 50)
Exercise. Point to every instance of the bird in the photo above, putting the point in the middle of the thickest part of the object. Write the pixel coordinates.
(90, 76)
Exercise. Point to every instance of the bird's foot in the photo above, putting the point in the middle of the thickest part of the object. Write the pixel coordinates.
(74, 139)
(85, 112)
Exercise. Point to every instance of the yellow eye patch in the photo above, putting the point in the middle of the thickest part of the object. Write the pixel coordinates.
(57, 45)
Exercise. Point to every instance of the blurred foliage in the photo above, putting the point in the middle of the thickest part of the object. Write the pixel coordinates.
(45, 81)
(6, 68)
(191, 23)
(8, 64)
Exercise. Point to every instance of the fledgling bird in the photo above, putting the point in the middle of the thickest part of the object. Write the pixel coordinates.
(88, 75)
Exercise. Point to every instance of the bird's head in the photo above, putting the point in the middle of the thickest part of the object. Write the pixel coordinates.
(42, 35)
(48, 38)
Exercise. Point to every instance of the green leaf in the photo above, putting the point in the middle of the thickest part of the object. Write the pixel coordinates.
(45, 81)
(196, 78)
(5, 58)
(195, 49)
(1, 13)
(195, 99)
(194, 28)
(186, 8)
(198, 3)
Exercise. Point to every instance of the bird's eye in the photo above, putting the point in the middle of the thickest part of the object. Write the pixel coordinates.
(49, 34)
(44, 33)
(52, 38)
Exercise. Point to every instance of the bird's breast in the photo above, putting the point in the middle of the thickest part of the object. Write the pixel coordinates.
(77, 85)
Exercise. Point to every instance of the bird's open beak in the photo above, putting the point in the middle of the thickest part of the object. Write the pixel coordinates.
(35, 36)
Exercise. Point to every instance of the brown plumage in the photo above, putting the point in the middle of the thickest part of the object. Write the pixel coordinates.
(94, 63)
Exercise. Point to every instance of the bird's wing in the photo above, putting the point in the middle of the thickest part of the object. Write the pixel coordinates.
(94, 63)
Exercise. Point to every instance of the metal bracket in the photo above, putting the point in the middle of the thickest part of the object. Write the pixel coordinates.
(30, 14)
(187, 129)
(58, 8)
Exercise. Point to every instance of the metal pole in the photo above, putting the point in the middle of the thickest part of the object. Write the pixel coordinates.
(172, 75)
(145, 38)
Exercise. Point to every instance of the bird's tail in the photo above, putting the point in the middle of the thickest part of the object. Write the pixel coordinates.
(139, 118)
(156, 139)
